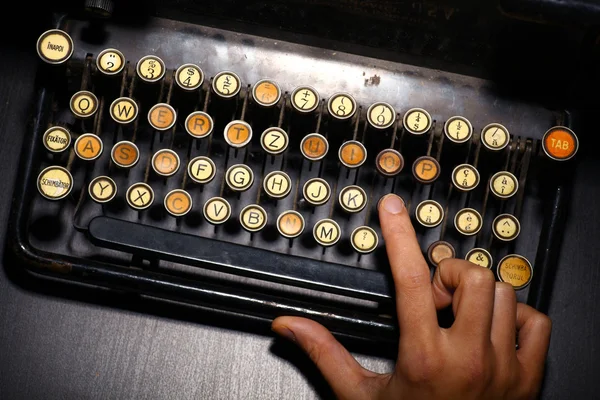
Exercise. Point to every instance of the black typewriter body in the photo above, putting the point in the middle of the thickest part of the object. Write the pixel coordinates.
(265, 274)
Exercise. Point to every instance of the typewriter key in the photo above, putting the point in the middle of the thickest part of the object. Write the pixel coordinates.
(239, 177)
(504, 184)
(226, 84)
(426, 169)
(506, 227)
(316, 191)
(274, 140)
(266, 93)
(189, 77)
(217, 210)
(290, 224)
(162, 116)
(465, 177)
(516, 270)
(495, 137)
(84, 104)
(341, 106)
(389, 162)
(417, 121)
(364, 240)
(56, 139)
(150, 68)
(55, 46)
(110, 61)
(480, 257)
(314, 147)
(458, 129)
(353, 199)
(124, 110)
(125, 154)
(165, 162)
(429, 213)
(140, 196)
(305, 99)
(238, 134)
(102, 189)
(88, 147)
(199, 124)
(439, 251)
(55, 183)
(381, 115)
(178, 202)
(352, 154)
(560, 143)
(277, 184)
(202, 169)
(327, 232)
(253, 218)
(468, 221)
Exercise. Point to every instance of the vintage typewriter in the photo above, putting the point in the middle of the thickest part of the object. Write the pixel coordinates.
(241, 172)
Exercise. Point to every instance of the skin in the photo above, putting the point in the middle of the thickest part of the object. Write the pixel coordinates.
(476, 358)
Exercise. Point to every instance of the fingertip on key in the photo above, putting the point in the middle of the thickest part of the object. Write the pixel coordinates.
(391, 204)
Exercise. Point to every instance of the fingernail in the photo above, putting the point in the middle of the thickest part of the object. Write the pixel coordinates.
(286, 333)
(392, 204)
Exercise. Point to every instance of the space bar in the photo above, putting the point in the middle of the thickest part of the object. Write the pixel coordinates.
(152, 242)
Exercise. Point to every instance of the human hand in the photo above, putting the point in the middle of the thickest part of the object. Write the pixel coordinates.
(476, 358)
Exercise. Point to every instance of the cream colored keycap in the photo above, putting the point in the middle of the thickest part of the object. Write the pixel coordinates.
(217, 210)
(54, 46)
(189, 77)
(178, 202)
(305, 99)
(439, 251)
(468, 221)
(429, 213)
(162, 116)
(88, 147)
(314, 147)
(364, 239)
(316, 191)
(495, 137)
(341, 106)
(56, 139)
(150, 68)
(504, 184)
(239, 177)
(124, 110)
(381, 115)
(84, 104)
(327, 232)
(226, 84)
(140, 196)
(199, 124)
(417, 121)
(277, 184)
(465, 177)
(253, 218)
(266, 93)
(290, 224)
(480, 257)
(55, 183)
(353, 199)
(274, 140)
(102, 189)
(458, 129)
(110, 61)
(202, 169)
(506, 227)
(165, 162)
(516, 270)
(238, 134)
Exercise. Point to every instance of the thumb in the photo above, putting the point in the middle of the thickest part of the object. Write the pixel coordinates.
(343, 373)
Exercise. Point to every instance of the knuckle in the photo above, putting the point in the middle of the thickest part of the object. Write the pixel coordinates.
(422, 366)
(479, 277)
(544, 322)
(505, 290)
(476, 371)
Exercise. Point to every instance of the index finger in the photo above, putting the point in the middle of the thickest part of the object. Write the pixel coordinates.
(416, 310)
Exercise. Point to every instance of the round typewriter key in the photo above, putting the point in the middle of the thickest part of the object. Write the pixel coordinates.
(84, 104)
(150, 68)
(253, 218)
(178, 202)
(364, 239)
(199, 124)
(202, 169)
(124, 110)
(290, 224)
(439, 251)
(468, 221)
(465, 177)
(239, 177)
(389, 162)
(458, 129)
(516, 270)
(189, 77)
(55, 183)
(110, 61)
(381, 115)
(504, 184)
(495, 137)
(162, 116)
(277, 184)
(353, 199)
(314, 147)
(56, 139)
(125, 154)
(238, 134)
(55, 46)
(316, 191)
(102, 189)
(352, 154)
(417, 121)
(274, 140)
(165, 162)
(480, 257)
(506, 227)
(305, 99)
(341, 106)
(88, 147)
(560, 143)
(217, 210)
(140, 196)
(327, 232)
(266, 93)
(226, 84)
(426, 169)
(429, 213)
